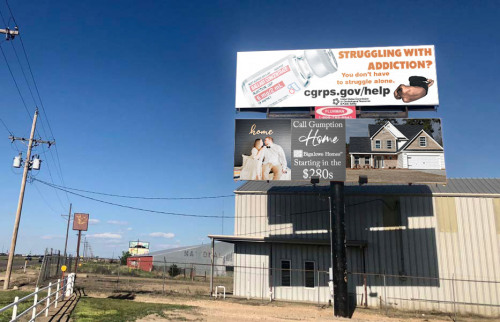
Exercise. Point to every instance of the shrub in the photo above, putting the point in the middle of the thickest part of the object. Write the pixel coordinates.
(173, 270)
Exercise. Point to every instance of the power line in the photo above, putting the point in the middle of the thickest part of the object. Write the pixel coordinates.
(12, 134)
(170, 213)
(58, 163)
(15, 82)
(58, 168)
(51, 178)
(140, 197)
(5, 125)
(45, 200)
(128, 207)
(25, 106)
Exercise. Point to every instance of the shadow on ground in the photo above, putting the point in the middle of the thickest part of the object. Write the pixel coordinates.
(64, 312)
(126, 296)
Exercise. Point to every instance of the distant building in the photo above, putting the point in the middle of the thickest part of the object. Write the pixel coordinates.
(197, 257)
(144, 263)
(439, 245)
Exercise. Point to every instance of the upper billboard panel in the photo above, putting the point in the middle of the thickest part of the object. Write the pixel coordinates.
(375, 76)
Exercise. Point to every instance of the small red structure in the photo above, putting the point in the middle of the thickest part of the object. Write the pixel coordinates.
(144, 263)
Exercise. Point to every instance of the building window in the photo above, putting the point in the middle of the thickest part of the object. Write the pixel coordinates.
(356, 160)
(309, 274)
(377, 144)
(286, 273)
(389, 144)
(423, 141)
(367, 161)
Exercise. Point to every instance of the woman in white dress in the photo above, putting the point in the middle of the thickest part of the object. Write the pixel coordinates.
(252, 170)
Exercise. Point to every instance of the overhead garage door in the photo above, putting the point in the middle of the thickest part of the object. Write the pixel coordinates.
(423, 162)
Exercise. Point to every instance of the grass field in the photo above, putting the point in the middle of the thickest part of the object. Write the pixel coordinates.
(7, 297)
(109, 310)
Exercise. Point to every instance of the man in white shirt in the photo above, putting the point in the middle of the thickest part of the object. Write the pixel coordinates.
(274, 160)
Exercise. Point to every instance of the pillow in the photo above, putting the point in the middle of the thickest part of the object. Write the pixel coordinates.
(245, 159)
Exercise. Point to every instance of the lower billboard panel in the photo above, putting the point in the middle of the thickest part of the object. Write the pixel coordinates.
(383, 150)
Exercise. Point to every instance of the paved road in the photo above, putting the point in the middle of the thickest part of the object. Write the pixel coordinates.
(18, 262)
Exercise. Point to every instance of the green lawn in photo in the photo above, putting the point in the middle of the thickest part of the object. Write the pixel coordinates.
(107, 310)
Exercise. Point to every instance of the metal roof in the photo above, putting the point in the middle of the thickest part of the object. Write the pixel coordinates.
(178, 249)
(465, 186)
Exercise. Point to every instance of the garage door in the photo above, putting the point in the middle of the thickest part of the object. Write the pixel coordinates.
(423, 162)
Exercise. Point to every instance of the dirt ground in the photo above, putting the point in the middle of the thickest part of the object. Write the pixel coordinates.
(195, 293)
(395, 176)
(231, 309)
(253, 310)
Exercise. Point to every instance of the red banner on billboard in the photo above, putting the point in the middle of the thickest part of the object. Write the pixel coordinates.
(335, 112)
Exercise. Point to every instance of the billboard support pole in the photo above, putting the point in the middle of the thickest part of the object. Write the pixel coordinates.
(78, 251)
(338, 249)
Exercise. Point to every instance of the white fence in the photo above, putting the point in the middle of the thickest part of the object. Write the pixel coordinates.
(63, 289)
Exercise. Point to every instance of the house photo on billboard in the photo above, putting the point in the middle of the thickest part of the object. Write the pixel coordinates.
(409, 148)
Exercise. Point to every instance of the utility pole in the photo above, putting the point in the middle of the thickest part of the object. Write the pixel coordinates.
(67, 231)
(31, 142)
(85, 251)
(10, 34)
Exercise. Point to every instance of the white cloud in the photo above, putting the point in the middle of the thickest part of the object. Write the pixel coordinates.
(94, 221)
(117, 222)
(50, 236)
(164, 235)
(105, 236)
(129, 228)
(166, 246)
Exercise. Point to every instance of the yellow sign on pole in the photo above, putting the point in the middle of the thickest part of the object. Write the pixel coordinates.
(63, 268)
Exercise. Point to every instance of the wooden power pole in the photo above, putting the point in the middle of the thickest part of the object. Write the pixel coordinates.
(67, 231)
(31, 142)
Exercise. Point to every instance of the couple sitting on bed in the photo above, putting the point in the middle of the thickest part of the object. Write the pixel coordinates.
(267, 157)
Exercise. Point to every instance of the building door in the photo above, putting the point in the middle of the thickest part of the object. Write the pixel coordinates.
(379, 162)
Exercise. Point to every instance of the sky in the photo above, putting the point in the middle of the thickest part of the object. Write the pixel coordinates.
(139, 96)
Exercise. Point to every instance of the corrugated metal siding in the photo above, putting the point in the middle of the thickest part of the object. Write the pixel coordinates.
(453, 186)
(251, 270)
(200, 255)
(418, 246)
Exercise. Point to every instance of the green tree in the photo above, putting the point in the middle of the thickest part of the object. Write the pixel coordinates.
(123, 258)
(173, 270)
(383, 121)
(426, 123)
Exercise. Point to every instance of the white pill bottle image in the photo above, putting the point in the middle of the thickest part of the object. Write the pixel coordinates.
(287, 77)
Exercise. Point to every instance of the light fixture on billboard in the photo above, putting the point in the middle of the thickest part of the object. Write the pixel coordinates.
(314, 180)
(363, 179)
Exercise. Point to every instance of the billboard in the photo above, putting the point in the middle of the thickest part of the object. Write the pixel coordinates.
(284, 149)
(395, 151)
(372, 76)
(138, 247)
(81, 222)
(383, 150)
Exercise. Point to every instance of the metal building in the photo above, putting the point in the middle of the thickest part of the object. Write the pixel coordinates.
(415, 247)
(197, 257)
